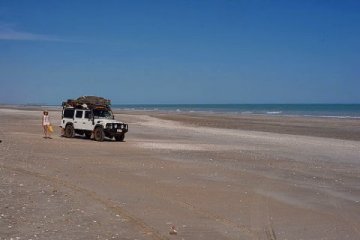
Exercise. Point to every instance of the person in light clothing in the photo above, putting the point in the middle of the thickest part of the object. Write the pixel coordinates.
(46, 123)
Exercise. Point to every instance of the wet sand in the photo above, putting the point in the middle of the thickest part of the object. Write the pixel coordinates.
(212, 177)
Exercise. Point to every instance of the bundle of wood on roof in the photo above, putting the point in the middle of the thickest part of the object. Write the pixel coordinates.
(88, 102)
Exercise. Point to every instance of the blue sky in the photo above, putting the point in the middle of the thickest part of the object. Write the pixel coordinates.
(136, 52)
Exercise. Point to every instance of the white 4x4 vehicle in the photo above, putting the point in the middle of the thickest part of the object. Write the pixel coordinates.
(95, 121)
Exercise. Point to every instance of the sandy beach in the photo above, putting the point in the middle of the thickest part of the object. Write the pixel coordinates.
(210, 176)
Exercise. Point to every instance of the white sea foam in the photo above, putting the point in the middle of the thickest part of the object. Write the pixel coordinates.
(274, 112)
(330, 116)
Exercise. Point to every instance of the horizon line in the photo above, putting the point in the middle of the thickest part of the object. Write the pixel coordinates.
(149, 104)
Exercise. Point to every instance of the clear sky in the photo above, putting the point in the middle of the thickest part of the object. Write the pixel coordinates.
(178, 51)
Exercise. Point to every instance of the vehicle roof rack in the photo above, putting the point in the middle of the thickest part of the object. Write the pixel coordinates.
(88, 102)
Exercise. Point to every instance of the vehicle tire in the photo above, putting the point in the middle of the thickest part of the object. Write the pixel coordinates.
(69, 131)
(88, 135)
(99, 134)
(120, 138)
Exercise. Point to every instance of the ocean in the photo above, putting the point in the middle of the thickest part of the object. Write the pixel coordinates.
(306, 110)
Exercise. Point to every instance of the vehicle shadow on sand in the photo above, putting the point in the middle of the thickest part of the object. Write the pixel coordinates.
(106, 139)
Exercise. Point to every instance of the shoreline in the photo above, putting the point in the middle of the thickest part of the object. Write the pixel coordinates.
(346, 129)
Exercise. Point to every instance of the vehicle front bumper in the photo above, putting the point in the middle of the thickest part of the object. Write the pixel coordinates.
(115, 129)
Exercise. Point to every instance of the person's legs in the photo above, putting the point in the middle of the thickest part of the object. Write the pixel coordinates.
(45, 131)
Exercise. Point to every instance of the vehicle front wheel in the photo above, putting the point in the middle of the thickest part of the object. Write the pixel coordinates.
(99, 134)
(69, 131)
(120, 138)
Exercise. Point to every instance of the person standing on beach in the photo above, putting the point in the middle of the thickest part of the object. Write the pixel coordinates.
(46, 124)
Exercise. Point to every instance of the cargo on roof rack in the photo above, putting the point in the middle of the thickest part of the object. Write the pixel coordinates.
(88, 102)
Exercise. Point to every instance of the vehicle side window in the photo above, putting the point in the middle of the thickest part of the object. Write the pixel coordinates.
(79, 114)
(87, 114)
(69, 113)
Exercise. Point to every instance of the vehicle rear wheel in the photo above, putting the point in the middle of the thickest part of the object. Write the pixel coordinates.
(120, 138)
(69, 131)
(99, 134)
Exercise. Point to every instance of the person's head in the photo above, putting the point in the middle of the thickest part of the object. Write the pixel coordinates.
(45, 112)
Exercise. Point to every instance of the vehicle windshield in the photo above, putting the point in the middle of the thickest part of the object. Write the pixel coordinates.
(100, 113)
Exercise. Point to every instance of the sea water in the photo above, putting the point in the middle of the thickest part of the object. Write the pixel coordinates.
(307, 110)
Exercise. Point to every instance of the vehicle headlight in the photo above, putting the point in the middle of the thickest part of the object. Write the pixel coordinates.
(115, 125)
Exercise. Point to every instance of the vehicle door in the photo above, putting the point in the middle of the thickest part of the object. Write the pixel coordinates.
(87, 121)
(78, 120)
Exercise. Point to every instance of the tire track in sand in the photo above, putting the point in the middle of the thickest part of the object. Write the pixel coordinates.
(261, 212)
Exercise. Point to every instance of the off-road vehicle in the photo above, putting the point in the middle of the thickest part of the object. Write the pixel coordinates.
(91, 116)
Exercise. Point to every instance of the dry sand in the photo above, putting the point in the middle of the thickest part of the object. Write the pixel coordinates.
(212, 177)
